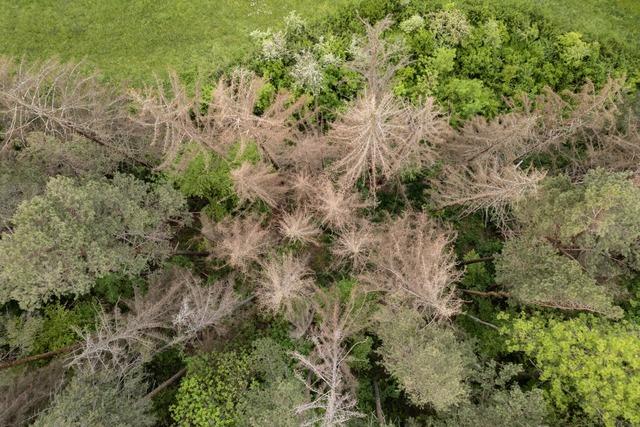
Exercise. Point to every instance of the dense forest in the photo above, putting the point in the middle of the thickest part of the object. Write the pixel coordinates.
(397, 213)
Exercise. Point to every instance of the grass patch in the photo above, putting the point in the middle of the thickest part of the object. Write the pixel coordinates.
(131, 40)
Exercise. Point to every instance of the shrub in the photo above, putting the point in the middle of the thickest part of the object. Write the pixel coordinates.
(207, 175)
(60, 325)
(468, 97)
(213, 390)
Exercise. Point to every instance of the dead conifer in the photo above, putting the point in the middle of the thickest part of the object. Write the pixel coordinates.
(284, 281)
(506, 137)
(589, 111)
(302, 185)
(64, 101)
(233, 106)
(618, 150)
(299, 227)
(311, 152)
(379, 137)
(166, 315)
(413, 261)
(239, 241)
(22, 397)
(337, 207)
(376, 59)
(549, 123)
(258, 182)
(488, 186)
(333, 393)
(354, 244)
(176, 117)
(217, 120)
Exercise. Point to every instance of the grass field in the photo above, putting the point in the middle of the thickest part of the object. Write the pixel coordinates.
(131, 39)
(617, 20)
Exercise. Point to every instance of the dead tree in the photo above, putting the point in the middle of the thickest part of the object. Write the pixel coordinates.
(240, 242)
(488, 186)
(380, 136)
(258, 182)
(22, 398)
(174, 310)
(333, 389)
(214, 121)
(284, 281)
(413, 262)
(64, 101)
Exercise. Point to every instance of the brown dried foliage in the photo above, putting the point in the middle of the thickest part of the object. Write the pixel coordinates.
(489, 177)
(218, 120)
(489, 186)
(376, 59)
(284, 281)
(582, 115)
(353, 245)
(311, 151)
(379, 137)
(64, 101)
(174, 310)
(337, 207)
(239, 241)
(299, 227)
(505, 137)
(549, 123)
(333, 390)
(26, 395)
(618, 149)
(413, 262)
(258, 182)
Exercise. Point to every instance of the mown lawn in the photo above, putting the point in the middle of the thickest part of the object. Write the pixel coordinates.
(131, 39)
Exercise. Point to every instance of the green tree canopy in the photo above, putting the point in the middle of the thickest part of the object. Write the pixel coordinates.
(587, 361)
(536, 274)
(596, 221)
(80, 230)
(577, 241)
(430, 363)
(102, 400)
(498, 401)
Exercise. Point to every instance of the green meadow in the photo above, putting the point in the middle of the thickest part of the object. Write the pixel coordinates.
(131, 40)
